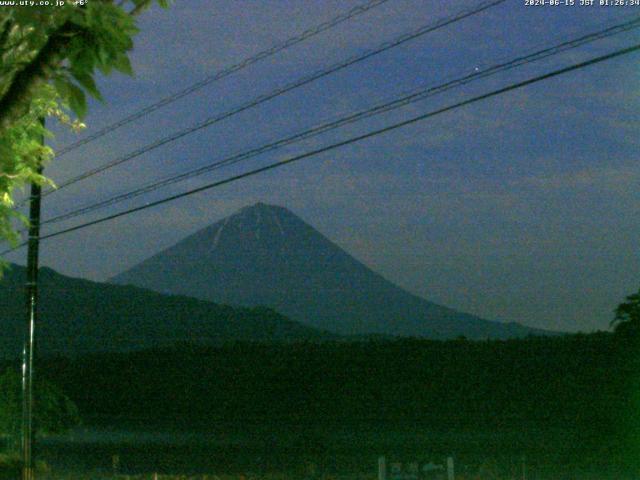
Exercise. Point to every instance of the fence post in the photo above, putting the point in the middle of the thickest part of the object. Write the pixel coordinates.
(450, 472)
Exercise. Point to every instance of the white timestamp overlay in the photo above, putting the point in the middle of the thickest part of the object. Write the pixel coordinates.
(43, 3)
(582, 3)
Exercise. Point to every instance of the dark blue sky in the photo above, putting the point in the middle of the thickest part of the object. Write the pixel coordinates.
(523, 207)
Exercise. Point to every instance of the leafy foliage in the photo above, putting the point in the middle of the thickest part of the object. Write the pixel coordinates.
(49, 58)
(54, 411)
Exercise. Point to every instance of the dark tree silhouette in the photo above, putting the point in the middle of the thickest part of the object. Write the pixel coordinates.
(55, 412)
(627, 316)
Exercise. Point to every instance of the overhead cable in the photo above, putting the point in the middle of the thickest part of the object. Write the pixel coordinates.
(352, 140)
(413, 97)
(280, 91)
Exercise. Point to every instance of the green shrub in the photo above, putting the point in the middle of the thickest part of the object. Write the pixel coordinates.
(10, 466)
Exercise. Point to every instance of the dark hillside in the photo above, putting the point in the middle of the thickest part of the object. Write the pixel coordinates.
(81, 316)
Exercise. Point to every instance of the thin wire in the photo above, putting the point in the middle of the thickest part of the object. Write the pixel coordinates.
(280, 91)
(416, 96)
(309, 33)
(419, 118)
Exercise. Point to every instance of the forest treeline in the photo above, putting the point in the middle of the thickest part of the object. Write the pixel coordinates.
(576, 381)
(584, 386)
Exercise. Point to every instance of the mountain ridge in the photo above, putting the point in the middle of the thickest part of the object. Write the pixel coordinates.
(78, 316)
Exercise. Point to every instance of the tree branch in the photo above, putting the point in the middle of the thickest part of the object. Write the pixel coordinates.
(6, 29)
(15, 102)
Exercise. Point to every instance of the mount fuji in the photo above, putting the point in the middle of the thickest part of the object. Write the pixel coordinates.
(265, 255)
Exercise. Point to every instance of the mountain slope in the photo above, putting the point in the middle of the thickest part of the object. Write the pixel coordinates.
(266, 255)
(82, 316)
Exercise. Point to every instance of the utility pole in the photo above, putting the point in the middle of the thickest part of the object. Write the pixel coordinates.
(31, 288)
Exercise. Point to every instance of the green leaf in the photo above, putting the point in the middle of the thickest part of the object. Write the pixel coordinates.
(62, 86)
(82, 54)
(86, 80)
(102, 53)
(122, 64)
(77, 100)
(78, 18)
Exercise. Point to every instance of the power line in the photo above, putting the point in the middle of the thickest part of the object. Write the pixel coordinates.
(349, 141)
(311, 32)
(280, 91)
(418, 95)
